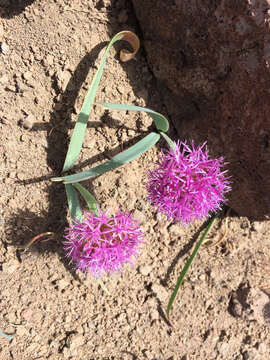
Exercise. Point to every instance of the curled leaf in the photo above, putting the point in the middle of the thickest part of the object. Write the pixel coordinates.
(77, 138)
(134, 42)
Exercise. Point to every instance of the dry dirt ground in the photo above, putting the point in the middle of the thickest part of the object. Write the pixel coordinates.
(49, 54)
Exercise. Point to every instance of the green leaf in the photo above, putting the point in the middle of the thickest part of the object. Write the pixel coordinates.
(81, 124)
(88, 197)
(124, 157)
(169, 141)
(73, 202)
(161, 122)
(189, 262)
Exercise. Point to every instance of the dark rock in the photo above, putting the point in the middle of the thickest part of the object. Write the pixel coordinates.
(214, 57)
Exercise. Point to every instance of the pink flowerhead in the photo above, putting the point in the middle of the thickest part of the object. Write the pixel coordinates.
(102, 244)
(187, 184)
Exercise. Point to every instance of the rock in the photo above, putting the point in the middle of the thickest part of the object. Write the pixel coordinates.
(145, 270)
(23, 138)
(76, 342)
(62, 284)
(4, 48)
(258, 226)
(21, 331)
(175, 230)
(28, 122)
(224, 349)
(131, 132)
(214, 57)
(27, 75)
(121, 89)
(63, 78)
(154, 314)
(27, 314)
(160, 292)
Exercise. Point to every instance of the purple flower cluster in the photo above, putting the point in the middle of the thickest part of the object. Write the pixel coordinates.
(102, 244)
(187, 184)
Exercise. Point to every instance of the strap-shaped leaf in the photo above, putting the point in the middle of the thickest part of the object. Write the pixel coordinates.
(124, 157)
(73, 202)
(161, 122)
(169, 141)
(88, 197)
(189, 262)
(81, 124)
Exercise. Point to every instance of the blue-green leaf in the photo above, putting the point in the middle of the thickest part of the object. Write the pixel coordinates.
(88, 197)
(73, 202)
(161, 122)
(169, 141)
(124, 157)
(81, 124)
(189, 262)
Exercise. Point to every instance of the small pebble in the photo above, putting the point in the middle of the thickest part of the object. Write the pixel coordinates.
(11, 88)
(63, 78)
(62, 284)
(91, 325)
(145, 270)
(4, 48)
(258, 226)
(23, 138)
(27, 75)
(131, 132)
(76, 342)
(28, 122)
(175, 229)
(21, 331)
(27, 314)
(160, 291)
(121, 89)
(154, 314)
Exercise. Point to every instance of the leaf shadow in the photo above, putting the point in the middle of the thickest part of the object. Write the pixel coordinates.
(27, 223)
(187, 247)
(23, 225)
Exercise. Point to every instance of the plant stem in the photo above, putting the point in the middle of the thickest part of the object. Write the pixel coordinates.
(188, 263)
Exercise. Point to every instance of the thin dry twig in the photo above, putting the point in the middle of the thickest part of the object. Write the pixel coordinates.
(48, 236)
(223, 236)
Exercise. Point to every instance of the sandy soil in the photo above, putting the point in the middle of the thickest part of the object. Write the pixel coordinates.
(49, 54)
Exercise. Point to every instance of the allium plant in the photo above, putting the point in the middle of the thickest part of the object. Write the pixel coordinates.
(100, 244)
(186, 183)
